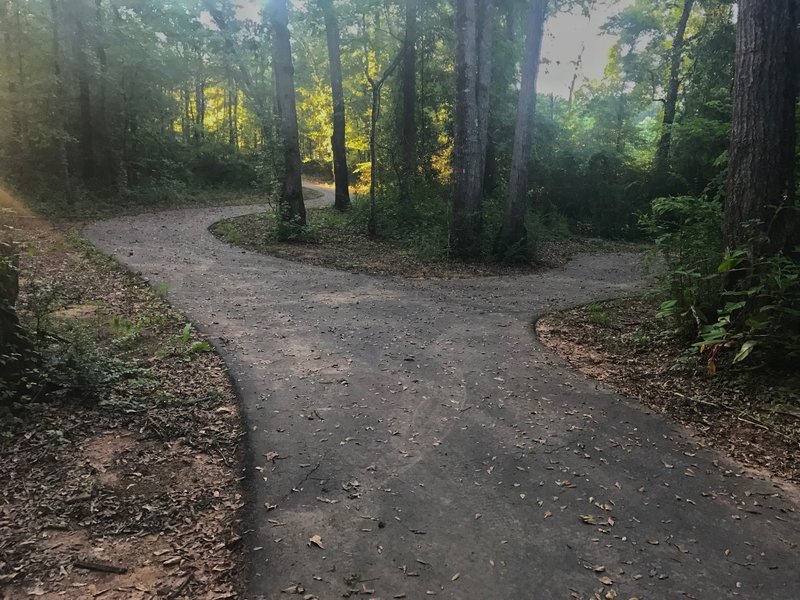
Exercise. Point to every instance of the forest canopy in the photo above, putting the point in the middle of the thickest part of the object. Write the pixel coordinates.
(108, 97)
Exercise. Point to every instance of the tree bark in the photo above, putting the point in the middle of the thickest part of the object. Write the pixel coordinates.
(759, 211)
(513, 234)
(23, 126)
(232, 101)
(199, 100)
(408, 118)
(660, 164)
(340, 171)
(376, 85)
(86, 140)
(291, 205)
(14, 143)
(107, 153)
(467, 217)
(61, 144)
(485, 33)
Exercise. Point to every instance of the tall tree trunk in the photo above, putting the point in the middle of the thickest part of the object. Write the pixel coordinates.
(375, 107)
(86, 141)
(235, 116)
(408, 118)
(291, 205)
(232, 101)
(467, 217)
(186, 116)
(513, 233)
(23, 126)
(106, 152)
(340, 172)
(61, 144)
(761, 168)
(484, 32)
(376, 85)
(661, 161)
(200, 107)
(14, 143)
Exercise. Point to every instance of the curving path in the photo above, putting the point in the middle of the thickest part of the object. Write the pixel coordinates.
(439, 450)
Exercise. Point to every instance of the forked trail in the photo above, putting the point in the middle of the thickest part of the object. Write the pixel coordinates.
(438, 450)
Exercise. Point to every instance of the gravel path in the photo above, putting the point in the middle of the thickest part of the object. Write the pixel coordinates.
(439, 450)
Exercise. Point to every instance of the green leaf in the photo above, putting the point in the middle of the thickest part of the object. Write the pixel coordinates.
(744, 351)
(667, 309)
(197, 347)
(727, 264)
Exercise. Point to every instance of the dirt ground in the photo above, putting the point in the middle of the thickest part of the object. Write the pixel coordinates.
(753, 415)
(145, 482)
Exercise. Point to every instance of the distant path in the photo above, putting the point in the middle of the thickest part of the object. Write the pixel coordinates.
(440, 451)
(328, 194)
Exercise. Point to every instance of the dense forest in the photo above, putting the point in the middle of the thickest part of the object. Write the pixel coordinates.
(395, 410)
(125, 99)
(429, 113)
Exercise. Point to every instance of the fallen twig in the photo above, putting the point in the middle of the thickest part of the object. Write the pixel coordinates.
(100, 566)
(749, 420)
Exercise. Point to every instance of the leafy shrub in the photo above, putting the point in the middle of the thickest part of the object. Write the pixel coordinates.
(688, 236)
(291, 230)
(760, 310)
(723, 300)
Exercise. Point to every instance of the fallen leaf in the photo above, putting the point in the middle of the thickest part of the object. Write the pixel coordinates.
(316, 540)
(595, 520)
(294, 588)
(606, 580)
(271, 456)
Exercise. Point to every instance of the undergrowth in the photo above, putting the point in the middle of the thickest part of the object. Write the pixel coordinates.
(731, 305)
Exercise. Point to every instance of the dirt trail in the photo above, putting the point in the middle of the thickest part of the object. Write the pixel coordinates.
(439, 450)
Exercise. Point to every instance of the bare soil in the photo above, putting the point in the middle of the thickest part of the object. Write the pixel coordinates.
(146, 481)
(753, 415)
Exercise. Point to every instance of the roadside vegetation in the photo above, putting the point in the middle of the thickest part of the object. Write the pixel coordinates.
(119, 434)
(415, 247)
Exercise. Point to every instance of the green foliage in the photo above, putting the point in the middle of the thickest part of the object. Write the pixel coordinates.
(760, 309)
(422, 226)
(727, 301)
(688, 236)
(597, 315)
(193, 348)
(291, 229)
